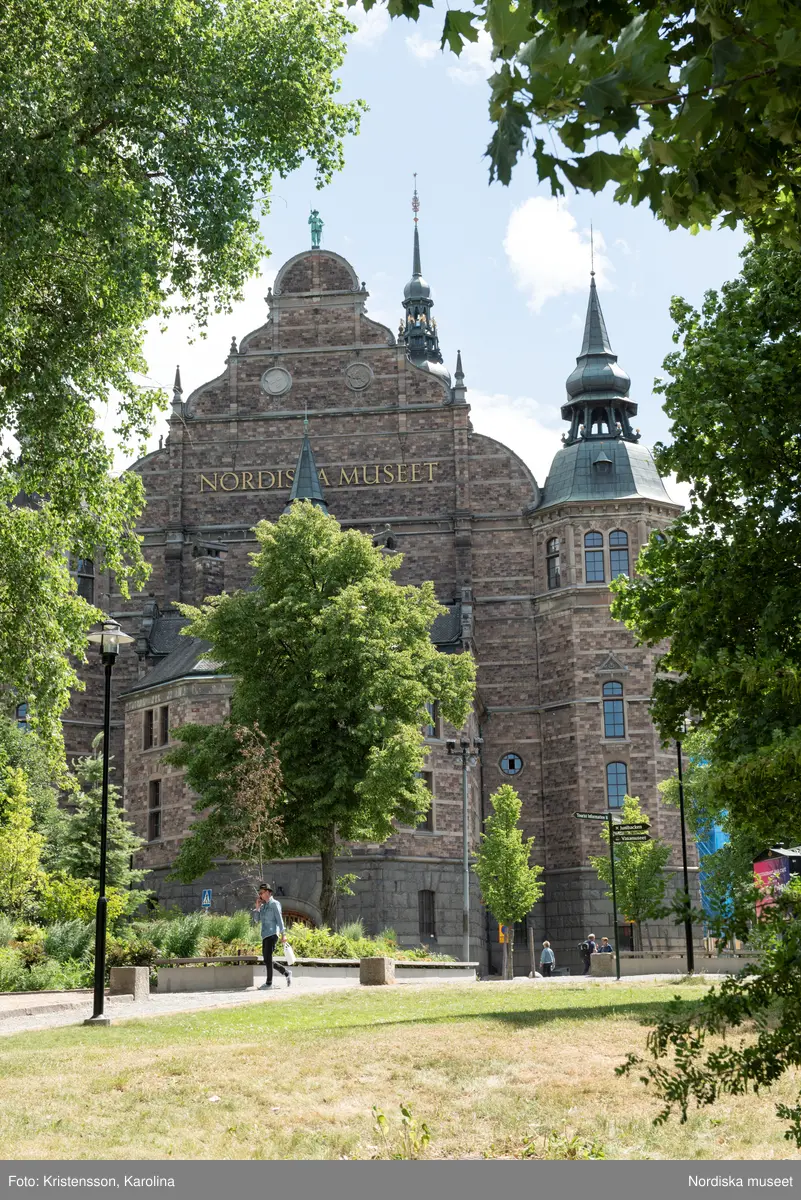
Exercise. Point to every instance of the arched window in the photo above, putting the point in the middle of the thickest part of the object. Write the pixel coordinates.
(617, 783)
(614, 725)
(593, 558)
(552, 559)
(618, 553)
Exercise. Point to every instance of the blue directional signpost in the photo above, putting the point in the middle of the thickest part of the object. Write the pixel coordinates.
(619, 832)
(206, 898)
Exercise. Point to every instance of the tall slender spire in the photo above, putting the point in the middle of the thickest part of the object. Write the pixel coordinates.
(419, 331)
(177, 393)
(598, 403)
(306, 484)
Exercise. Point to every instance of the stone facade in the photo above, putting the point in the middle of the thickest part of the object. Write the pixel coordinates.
(397, 456)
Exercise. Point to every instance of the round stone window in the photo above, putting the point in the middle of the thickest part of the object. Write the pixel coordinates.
(511, 764)
(358, 375)
(276, 381)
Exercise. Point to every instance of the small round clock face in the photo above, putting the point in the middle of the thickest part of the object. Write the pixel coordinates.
(276, 381)
(358, 376)
(511, 764)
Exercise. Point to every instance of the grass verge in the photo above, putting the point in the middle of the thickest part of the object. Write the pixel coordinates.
(490, 1069)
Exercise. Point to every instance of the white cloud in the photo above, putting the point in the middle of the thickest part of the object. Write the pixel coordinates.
(678, 492)
(475, 62)
(532, 430)
(548, 253)
(370, 26)
(420, 48)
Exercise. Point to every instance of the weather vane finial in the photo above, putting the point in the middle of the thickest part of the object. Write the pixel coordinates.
(592, 251)
(415, 201)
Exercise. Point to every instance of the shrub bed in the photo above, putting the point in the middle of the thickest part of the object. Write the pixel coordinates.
(61, 955)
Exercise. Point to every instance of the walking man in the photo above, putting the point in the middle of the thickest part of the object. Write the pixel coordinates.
(272, 927)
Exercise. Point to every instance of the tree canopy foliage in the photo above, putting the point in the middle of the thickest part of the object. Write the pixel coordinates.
(692, 108)
(138, 143)
(334, 663)
(510, 884)
(723, 584)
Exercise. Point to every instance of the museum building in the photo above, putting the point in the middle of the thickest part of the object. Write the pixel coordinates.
(324, 404)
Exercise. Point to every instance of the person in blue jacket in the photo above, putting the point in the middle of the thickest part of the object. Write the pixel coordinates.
(547, 960)
(268, 910)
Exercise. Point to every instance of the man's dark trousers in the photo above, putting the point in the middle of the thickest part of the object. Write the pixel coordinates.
(267, 946)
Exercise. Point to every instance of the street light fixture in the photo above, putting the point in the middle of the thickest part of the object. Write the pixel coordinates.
(110, 638)
(469, 754)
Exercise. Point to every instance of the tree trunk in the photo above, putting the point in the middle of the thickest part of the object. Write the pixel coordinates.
(531, 952)
(504, 958)
(328, 894)
(510, 957)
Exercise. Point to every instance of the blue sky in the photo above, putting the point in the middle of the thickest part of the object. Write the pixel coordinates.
(509, 267)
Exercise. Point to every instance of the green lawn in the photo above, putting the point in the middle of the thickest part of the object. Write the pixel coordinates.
(490, 1068)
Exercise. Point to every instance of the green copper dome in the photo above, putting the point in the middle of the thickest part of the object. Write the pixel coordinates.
(601, 457)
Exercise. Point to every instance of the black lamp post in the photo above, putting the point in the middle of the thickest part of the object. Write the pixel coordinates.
(688, 923)
(109, 639)
(469, 755)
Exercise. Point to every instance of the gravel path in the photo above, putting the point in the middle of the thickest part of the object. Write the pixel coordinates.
(18, 1012)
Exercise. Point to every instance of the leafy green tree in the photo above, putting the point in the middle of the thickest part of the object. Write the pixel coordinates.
(139, 142)
(723, 584)
(46, 777)
(238, 776)
(723, 587)
(639, 872)
(700, 100)
(79, 853)
(510, 885)
(682, 1068)
(20, 845)
(334, 663)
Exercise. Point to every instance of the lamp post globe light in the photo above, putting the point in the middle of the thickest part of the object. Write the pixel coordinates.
(470, 753)
(109, 639)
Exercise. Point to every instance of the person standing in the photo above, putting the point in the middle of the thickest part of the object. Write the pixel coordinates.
(604, 947)
(547, 960)
(587, 949)
(268, 910)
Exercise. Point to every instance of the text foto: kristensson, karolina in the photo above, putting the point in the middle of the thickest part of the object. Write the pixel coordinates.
(100, 1181)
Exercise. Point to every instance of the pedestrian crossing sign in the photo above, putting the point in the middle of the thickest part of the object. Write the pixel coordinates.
(206, 901)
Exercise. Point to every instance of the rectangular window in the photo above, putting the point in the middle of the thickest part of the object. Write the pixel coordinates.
(434, 727)
(614, 726)
(156, 727)
(594, 566)
(552, 562)
(427, 823)
(154, 810)
(426, 915)
(618, 562)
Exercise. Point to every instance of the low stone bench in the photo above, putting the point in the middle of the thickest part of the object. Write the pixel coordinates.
(235, 973)
(130, 981)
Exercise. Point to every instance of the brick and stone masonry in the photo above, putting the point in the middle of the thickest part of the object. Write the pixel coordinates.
(397, 457)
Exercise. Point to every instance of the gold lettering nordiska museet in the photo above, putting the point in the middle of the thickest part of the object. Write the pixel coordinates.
(353, 476)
